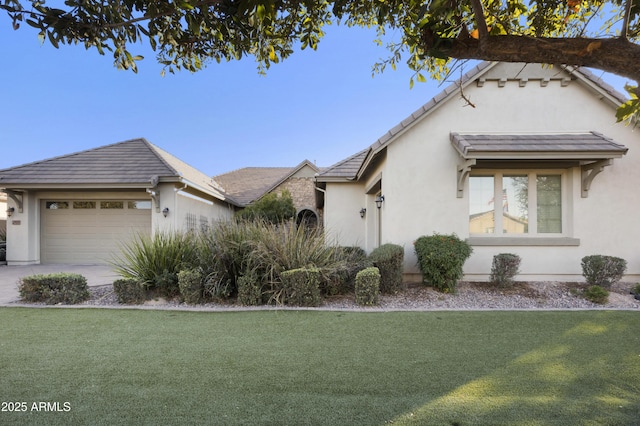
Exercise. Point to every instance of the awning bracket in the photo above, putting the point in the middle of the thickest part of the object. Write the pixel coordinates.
(463, 171)
(590, 171)
(17, 197)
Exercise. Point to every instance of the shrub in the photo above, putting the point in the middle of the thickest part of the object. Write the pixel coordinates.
(191, 286)
(54, 288)
(596, 294)
(227, 251)
(341, 277)
(440, 258)
(301, 287)
(129, 291)
(367, 286)
(249, 289)
(155, 261)
(272, 208)
(504, 268)
(603, 270)
(389, 258)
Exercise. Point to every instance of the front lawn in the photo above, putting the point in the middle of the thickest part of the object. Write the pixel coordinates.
(310, 367)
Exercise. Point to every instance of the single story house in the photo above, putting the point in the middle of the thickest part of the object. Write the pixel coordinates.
(250, 184)
(513, 158)
(79, 208)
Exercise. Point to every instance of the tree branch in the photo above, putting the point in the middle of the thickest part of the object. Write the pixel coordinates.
(615, 55)
(625, 20)
(481, 22)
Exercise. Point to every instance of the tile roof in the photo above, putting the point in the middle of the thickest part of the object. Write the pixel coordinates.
(565, 144)
(345, 169)
(251, 183)
(131, 162)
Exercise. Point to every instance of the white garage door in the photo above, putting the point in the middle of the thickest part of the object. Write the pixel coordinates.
(87, 232)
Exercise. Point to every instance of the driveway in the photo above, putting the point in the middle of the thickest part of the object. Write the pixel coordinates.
(9, 275)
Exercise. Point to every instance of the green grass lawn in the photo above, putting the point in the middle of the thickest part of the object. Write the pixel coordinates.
(310, 367)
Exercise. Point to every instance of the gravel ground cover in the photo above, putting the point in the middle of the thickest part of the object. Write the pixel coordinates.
(470, 295)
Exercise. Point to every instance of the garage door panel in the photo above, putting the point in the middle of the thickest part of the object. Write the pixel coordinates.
(89, 235)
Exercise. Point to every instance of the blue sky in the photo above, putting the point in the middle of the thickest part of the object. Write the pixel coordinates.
(317, 105)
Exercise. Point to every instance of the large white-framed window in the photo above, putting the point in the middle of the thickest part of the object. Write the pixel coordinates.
(518, 203)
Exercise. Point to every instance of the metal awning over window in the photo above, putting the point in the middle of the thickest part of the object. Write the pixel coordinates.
(591, 151)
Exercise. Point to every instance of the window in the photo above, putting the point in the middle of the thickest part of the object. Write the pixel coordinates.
(515, 203)
(84, 204)
(55, 205)
(111, 205)
(139, 205)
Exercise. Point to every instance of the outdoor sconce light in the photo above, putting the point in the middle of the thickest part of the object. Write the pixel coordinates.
(363, 211)
(379, 201)
(165, 211)
(10, 211)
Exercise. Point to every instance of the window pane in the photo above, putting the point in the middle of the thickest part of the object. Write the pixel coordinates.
(515, 204)
(84, 204)
(481, 214)
(549, 204)
(112, 204)
(139, 205)
(55, 205)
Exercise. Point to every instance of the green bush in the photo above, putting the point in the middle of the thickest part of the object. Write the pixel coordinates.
(301, 287)
(272, 208)
(54, 288)
(129, 291)
(603, 270)
(635, 289)
(340, 278)
(367, 286)
(389, 259)
(505, 266)
(191, 286)
(440, 258)
(596, 294)
(249, 289)
(155, 261)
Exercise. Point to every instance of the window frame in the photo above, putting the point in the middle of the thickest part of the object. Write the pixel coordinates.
(498, 233)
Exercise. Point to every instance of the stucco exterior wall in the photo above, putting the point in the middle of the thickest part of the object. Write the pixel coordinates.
(342, 219)
(195, 213)
(419, 178)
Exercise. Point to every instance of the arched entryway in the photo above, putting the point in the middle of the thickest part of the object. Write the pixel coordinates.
(307, 218)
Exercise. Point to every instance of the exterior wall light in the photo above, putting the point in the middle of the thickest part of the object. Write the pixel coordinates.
(363, 212)
(10, 211)
(379, 201)
(165, 211)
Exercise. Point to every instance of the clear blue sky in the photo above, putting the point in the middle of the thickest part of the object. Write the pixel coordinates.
(322, 105)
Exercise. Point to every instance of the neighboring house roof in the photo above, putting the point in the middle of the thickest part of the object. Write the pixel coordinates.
(249, 184)
(343, 170)
(589, 145)
(129, 163)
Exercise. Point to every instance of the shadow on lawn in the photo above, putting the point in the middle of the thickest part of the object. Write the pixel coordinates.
(590, 375)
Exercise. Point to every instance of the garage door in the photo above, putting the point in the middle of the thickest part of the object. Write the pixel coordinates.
(90, 231)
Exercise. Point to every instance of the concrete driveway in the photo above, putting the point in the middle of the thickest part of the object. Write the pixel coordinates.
(9, 275)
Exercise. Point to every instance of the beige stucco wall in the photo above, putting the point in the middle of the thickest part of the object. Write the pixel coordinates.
(419, 178)
(185, 202)
(342, 219)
